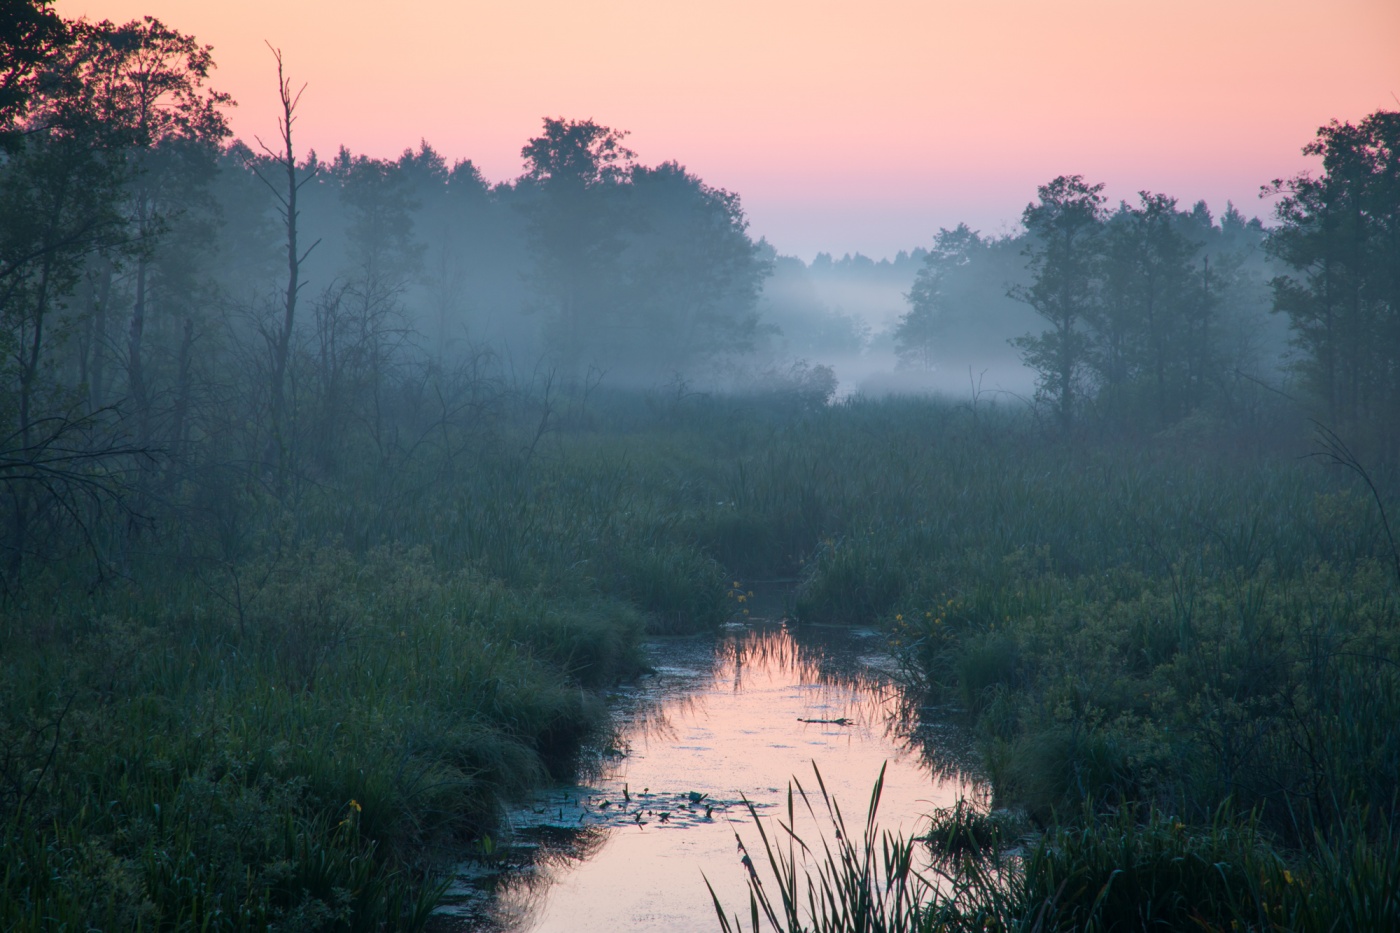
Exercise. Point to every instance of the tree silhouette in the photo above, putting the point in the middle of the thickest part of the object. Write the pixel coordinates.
(917, 335)
(294, 177)
(1062, 251)
(1339, 236)
(692, 273)
(575, 171)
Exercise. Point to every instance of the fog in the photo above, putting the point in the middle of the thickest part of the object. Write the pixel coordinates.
(641, 274)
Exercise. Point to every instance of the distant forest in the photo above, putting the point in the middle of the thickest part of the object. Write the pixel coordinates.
(175, 299)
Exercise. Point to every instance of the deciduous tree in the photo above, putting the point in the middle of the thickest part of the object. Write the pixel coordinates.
(1339, 236)
(576, 170)
(925, 324)
(1062, 252)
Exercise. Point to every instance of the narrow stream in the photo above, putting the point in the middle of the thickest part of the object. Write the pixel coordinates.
(720, 722)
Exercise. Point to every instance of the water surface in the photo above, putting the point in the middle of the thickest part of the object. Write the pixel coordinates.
(720, 722)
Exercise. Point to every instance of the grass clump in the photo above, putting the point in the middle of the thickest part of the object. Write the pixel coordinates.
(964, 830)
(1109, 872)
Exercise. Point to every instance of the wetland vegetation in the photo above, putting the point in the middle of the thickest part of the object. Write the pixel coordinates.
(1196, 643)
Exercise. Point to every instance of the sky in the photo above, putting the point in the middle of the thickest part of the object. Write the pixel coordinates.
(844, 127)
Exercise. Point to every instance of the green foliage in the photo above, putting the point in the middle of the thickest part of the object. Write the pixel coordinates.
(932, 308)
(964, 830)
(1339, 236)
(863, 881)
(1061, 254)
(1132, 633)
(284, 759)
(1149, 307)
(643, 267)
(1111, 872)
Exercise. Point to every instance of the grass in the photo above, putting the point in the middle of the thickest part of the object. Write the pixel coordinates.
(290, 766)
(1131, 631)
(1135, 632)
(1109, 871)
(844, 882)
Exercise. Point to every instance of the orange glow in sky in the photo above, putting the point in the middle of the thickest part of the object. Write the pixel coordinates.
(844, 127)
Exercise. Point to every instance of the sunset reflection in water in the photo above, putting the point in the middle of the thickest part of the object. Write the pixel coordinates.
(719, 723)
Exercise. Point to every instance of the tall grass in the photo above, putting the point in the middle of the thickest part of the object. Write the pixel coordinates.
(1155, 628)
(1136, 631)
(1106, 872)
(865, 882)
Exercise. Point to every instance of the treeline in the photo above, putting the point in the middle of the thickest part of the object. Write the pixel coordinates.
(1153, 312)
(183, 312)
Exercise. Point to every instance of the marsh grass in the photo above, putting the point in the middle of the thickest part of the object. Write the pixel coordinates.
(1108, 871)
(296, 763)
(425, 629)
(964, 830)
(842, 881)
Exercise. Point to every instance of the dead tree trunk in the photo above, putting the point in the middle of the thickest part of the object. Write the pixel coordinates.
(280, 339)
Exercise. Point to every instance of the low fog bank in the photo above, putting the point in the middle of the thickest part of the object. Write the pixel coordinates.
(1171, 302)
(846, 313)
(597, 268)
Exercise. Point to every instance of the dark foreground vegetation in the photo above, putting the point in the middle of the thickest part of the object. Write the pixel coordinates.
(1180, 656)
(305, 570)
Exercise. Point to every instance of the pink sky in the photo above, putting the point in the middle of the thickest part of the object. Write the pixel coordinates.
(844, 127)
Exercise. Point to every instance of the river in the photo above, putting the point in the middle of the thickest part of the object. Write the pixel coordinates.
(721, 721)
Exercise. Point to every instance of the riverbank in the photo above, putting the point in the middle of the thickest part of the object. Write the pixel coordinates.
(295, 711)
(299, 760)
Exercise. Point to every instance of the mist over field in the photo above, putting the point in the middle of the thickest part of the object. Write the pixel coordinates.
(644, 275)
(351, 505)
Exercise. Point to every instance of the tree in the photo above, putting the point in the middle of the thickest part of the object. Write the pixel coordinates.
(1062, 251)
(32, 36)
(692, 273)
(61, 178)
(284, 162)
(920, 329)
(102, 124)
(1339, 236)
(576, 171)
(150, 86)
(360, 320)
(1151, 311)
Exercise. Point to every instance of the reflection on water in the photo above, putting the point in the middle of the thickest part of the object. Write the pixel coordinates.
(717, 724)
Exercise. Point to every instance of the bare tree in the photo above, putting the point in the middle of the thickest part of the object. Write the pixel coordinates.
(66, 476)
(281, 338)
